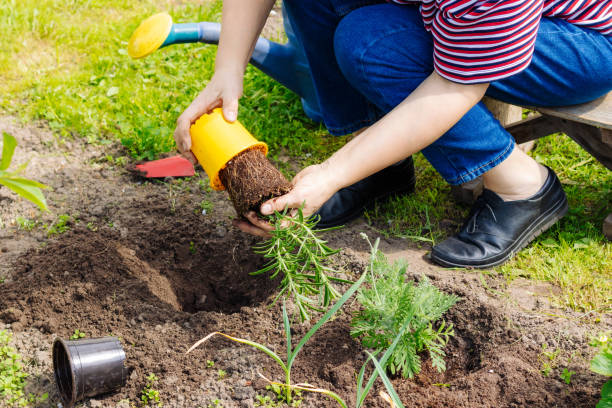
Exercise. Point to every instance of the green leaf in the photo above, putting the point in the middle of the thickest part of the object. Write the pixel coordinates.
(386, 382)
(25, 189)
(602, 362)
(8, 148)
(326, 317)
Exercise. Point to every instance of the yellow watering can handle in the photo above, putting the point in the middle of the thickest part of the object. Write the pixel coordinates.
(215, 141)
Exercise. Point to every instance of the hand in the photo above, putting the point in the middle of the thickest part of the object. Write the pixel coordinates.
(223, 90)
(312, 187)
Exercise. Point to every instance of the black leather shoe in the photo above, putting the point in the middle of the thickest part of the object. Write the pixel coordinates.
(496, 229)
(350, 202)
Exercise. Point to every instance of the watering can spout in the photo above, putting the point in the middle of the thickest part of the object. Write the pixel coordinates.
(286, 63)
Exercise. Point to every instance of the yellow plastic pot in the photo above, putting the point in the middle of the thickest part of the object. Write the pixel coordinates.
(215, 141)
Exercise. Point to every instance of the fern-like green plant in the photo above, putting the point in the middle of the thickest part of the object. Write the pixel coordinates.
(28, 189)
(390, 303)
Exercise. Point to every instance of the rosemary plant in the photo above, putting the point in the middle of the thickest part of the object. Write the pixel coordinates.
(301, 257)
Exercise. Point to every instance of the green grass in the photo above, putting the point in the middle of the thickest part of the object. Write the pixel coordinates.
(65, 62)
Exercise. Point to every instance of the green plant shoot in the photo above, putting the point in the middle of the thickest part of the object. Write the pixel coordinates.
(390, 303)
(28, 189)
(602, 364)
(297, 252)
(293, 352)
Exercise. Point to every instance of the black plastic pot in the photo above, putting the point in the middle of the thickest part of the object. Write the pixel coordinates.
(88, 367)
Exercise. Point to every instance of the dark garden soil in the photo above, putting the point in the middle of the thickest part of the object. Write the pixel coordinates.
(142, 262)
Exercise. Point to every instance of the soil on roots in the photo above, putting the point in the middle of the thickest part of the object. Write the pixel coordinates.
(250, 179)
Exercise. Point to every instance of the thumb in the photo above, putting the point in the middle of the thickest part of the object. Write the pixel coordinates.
(230, 109)
(279, 204)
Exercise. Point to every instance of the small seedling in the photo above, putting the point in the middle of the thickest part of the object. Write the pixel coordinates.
(299, 255)
(281, 397)
(28, 189)
(566, 375)
(548, 359)
(192, 248)
(77, 335)
(150, 396)
(266, 402)
(91, 226)
(13, 377)
(210, 364)
(205, 207)
(221, 374)
(25, 224)
(61, 225)
(602, 364)
(215, 404)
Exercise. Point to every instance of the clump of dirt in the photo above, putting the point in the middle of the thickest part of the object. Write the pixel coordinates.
(250, 179)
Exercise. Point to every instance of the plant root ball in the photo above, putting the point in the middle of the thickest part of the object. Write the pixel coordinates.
(250, 179)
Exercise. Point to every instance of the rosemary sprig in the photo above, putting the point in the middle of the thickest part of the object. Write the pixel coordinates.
(296, 251)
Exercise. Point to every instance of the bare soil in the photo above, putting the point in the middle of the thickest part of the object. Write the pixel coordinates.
(142, 262)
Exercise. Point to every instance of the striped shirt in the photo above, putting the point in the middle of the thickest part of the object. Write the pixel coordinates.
(479, 41)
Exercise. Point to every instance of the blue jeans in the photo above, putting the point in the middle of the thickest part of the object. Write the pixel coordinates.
(367, 57)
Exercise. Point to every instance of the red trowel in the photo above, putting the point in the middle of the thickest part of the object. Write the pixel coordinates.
(176, 166)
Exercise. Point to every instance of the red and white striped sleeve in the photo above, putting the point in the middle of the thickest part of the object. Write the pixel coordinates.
(478, 41)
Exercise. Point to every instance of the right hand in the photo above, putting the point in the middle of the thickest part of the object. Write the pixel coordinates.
(223, 90)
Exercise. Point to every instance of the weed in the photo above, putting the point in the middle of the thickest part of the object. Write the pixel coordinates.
(266, 402)
(91, 226)
(548, 359)
(215, 404)
(391, 303)
(566, 375)
(13, 377)
(297, 252)
(205, 207)
(150, 396)
(61, 225)
(28, 189)
(192, 248)
(210, 364)
(221, 374)
(77, 335)
(281, 396)
(25, 224)
(602, 364)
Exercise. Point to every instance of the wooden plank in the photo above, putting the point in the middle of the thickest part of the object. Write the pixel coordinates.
(595, 113)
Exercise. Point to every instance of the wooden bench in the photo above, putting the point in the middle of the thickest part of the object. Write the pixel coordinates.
(589, 125)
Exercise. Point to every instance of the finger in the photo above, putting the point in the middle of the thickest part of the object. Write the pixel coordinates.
(258, 222)
(201, 105)
(230, 109)
(288, 200)
(250, 229)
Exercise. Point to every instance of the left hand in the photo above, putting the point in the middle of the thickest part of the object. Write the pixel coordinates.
(312, 187)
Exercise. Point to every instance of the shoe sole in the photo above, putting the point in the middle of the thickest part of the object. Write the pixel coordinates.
(544, 222)
(356, 214)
